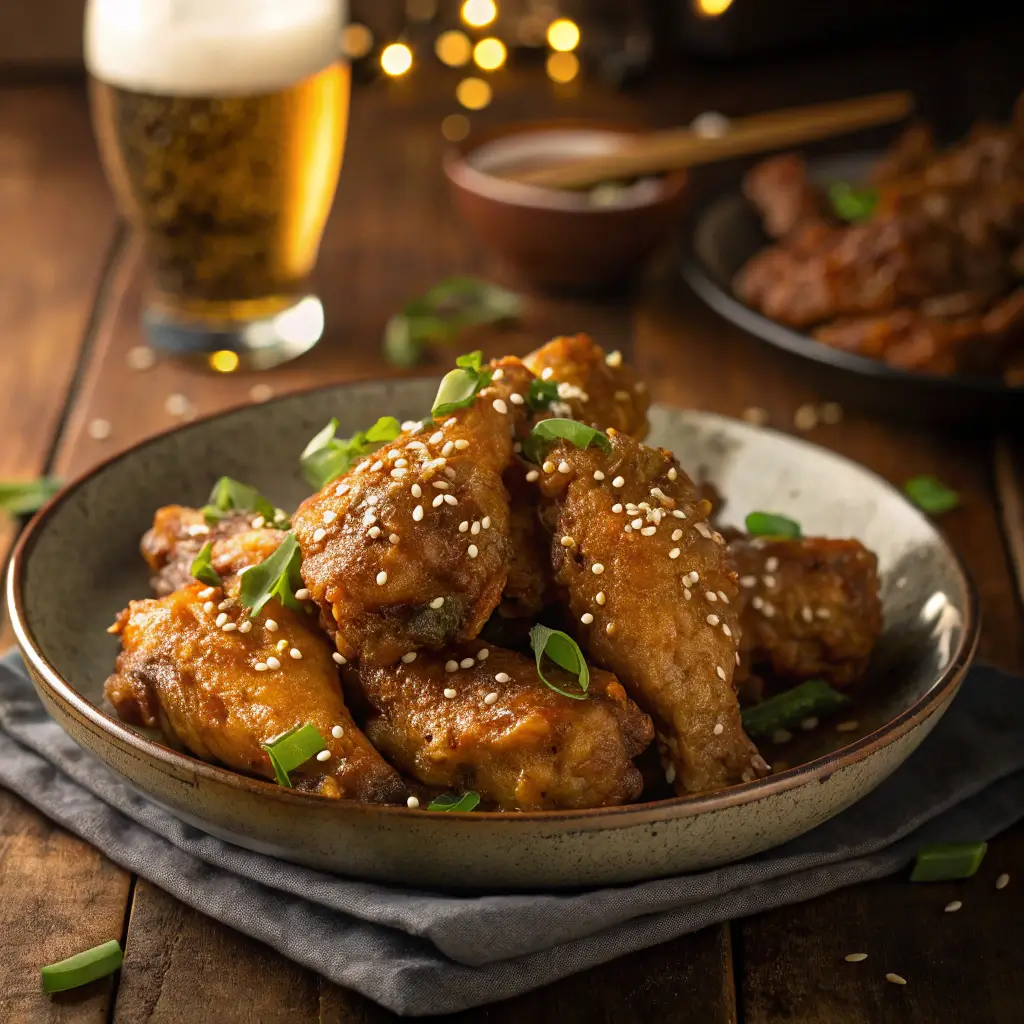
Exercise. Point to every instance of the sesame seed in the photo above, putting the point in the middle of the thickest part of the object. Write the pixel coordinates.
(1003, 881)
(272, 662)
(757, 602)
(627, 528)
(547, 373)
(500, 406)
(498, 374)
(694, 577)
(855, 958)
(621, 396)
(464, 526)
(710, 596)
(746, 777)
(377, 466)
(370, 518)
(748, 581)
(720, 672)
(564, 467)
(677, 534)
(491, 698)
(548, 466)
(229, 627)
(723, 597)
(687, 594)
(245, 626)
(222, 618)
(179, 405)
(437, 603)
(461, 444)
(616, 508)
(362, 465)
(809, 724)
(382, 578)
(726, 630)
(281, 645)
(895, 979)
(450, 499)
(670, 774)
(451, 421)
(451, 666)
(416, 491)
(586, 618)
(597, 568)
(637, 523)
(610, 629)
(302, 594)
(679, 513)
(394, 538)
(339, 659)
(437, 437)
(412, 803)
(449, 693)
(702, 529)
(598, 475)
(475, 529)
(324, 755)
(319, 534)
(295, 654)
(437, 501)
(805, 418)
(567, 542)
(806, 614)
(771, 564)
(618, 482)
(224, 605)
(649, 531)
(952, 907)
(614, 358)
(208, 607)
(600, 598)
(768, 610)
(516, 399)
(718, 729)
(781, 736)
(208, 592)
(397, 474)
(849, 726)
(271, 625)
(673, 473)
(472, 551)
(713, 620)
(259, 522)
(532, 476)
(260, 666)
(486, 522)
(417, 513)
(341, 490)
(449, 447)
(409, 658)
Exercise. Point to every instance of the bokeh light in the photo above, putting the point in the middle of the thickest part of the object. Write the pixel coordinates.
(479, 12)
(455, 127)
(396, 59)
(562, 67)
(711, 8)
(453, 48)
(489, 54)
(473, 93)
(563, 35)
(356, 40)
(224, 361)
(421, 10)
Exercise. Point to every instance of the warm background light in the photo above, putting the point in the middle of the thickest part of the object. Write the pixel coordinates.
(562, 67)
(453, 48)
(473, 93)
(455, 127)
(563, 35)
(490, 54)
(224, 361)
(479, 12)
(711, 8)
(396, 59)
(421, 10)
(356, 40)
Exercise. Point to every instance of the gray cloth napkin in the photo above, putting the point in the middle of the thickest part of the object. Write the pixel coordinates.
(422, 952)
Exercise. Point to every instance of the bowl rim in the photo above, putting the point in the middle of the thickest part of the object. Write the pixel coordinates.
(169, 760)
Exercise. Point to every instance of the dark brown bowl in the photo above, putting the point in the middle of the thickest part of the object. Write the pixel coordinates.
(560, 240)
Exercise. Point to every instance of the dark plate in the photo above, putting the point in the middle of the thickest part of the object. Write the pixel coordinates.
(726, 232)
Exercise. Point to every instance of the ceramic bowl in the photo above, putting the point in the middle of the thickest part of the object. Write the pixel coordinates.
(562, 240)
(78, 564)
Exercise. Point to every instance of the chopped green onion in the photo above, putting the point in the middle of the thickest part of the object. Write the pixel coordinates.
(292, 749)
(564, 652)
(942, 862)
(541, 394)
(202, 567)
(815, 697)
(83, 967)
(460, 387)
(276, 577)
(326, 457)
(451, 802)
(228, 494)
(20, 497)
(931, 494)
(851, 202)
(769, 524)
(548, 431)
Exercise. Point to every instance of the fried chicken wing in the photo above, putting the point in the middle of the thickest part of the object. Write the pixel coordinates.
(809, 608)
(479, 718)
(651, 587)
(596, 388)
(221, 693)
(411, 549)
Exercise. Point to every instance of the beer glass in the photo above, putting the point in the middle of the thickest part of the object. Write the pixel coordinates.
(221, 125)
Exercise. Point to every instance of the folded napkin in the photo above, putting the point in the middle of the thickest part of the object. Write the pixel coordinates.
(426, 952)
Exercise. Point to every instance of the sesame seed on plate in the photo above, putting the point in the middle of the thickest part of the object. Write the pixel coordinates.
(895, 979)
(720, 672)
(382, 578)
(417, 513)
(670, 773)
(260, 666)
(597, 568)
(272, 662)
(548, 466)
(302, 594)
(437, 603)
(412, 803)
(472, 551)
(339, 659)
(500, 406)
(532, 476)
(855, 958)
(713, 620)
(718, 729)
(586, 618)
(952, 907)
(324, 755)
(318, 534)
(451, 666)
(271, 625)
(229, 627)
(450, 499)
(618, 482)
(437, 437)
(408, 658)
(449, 693)
(1003, 881)
(221, 619)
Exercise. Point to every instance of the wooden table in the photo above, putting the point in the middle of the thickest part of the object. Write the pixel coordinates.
(69, 295)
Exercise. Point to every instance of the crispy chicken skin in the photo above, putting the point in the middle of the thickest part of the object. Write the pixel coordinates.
(599, 389)
(180, 672)
(411, 549)
(809, 608)
(531, 749)
(529, 588)
(655, 598)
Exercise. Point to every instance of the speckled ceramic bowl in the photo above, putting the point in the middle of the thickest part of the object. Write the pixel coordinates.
(78, 564)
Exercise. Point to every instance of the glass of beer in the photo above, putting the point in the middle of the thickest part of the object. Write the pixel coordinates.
(221, 125)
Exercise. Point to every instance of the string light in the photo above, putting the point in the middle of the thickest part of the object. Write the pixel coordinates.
(453, 48)
(473, 93)
(478, 13)
(455, 127)
(562, 67)
(711, 8)
(396, 59)
(224, 361)
(356, 40)
(563, 34)
(489, 54)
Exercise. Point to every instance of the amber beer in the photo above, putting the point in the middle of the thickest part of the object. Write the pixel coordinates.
(221, 124)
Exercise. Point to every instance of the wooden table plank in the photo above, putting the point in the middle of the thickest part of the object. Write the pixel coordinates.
(58, 895)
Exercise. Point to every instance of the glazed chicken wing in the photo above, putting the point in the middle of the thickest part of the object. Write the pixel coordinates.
(596, 388)
(411, 549)
(651, 587)
(478, 718)
(809, 608)
(220, 693)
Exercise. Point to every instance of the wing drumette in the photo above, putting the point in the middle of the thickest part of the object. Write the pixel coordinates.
(220, 692)
(651, 587)
(479, 718)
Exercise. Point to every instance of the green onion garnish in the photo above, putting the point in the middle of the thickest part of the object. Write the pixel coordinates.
(944, 861)
(452, 802)
(228, 494)
(770, 524)
(326, 457)
(202, 567)
(276, 577)
(931, 494)
(541, 394)
(548, 431)
(815, 697)
(82, 968)
(851, 202)
(20, 497)
(565, 653)
(461, 386)
(292, 749)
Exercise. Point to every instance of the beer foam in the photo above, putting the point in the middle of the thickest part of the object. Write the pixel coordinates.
(210, 47)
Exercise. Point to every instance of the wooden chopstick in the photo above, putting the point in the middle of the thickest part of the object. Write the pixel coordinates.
(682, 147)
